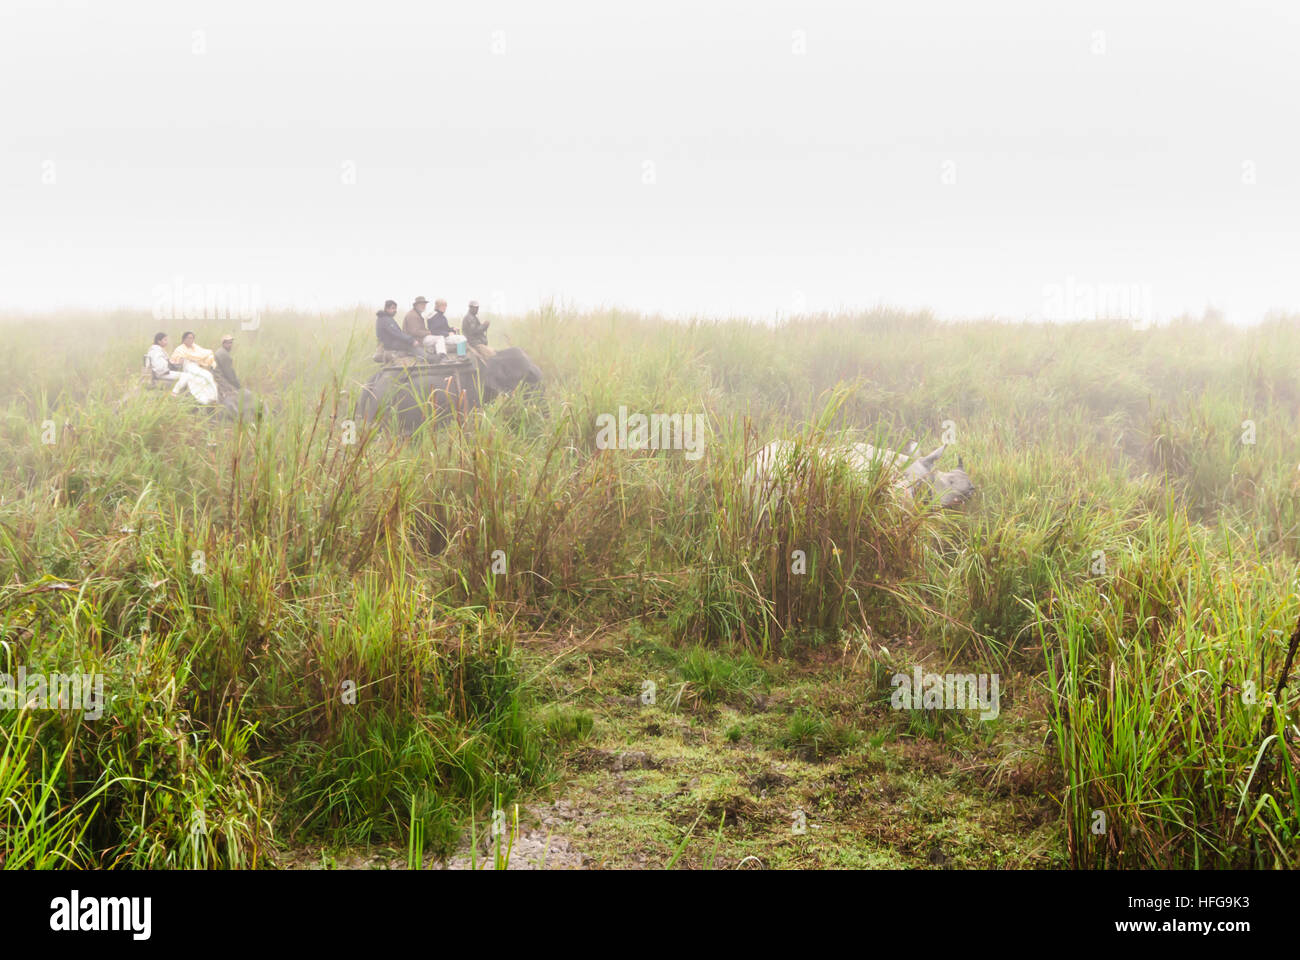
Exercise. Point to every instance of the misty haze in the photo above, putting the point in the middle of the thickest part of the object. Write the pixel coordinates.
(716, 436)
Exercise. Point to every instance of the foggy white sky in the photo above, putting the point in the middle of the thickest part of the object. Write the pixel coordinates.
(501, 149)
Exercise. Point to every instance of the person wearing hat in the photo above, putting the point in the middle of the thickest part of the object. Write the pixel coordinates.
(414, 324)
(226, 379)
(475, 330)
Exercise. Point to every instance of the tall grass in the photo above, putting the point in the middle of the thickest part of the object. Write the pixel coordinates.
(307, 638)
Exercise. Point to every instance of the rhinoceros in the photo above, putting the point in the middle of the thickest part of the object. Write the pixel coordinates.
(915, 477)
(409, 393)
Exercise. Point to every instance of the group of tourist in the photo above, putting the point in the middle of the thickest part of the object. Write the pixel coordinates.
(209, 375)
(418, 334)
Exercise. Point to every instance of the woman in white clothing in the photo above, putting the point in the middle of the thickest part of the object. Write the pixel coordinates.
(196, 370)
(156, 357)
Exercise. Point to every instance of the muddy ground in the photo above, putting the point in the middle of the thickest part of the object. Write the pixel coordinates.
(729, 762)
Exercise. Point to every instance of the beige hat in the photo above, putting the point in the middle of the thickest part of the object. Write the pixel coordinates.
(227, 336)
(420, 300)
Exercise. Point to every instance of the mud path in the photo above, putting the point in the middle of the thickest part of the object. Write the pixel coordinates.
(690, 761)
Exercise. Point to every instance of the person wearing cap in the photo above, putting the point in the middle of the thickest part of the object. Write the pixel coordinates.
(438, 325)
(413, 323)
(226, 379)
(475, 330)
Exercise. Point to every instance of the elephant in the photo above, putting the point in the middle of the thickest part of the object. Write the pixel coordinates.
(411, 392)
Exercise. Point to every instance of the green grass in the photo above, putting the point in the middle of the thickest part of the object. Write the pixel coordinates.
(712, 676)
(304, 640)
(814, 736)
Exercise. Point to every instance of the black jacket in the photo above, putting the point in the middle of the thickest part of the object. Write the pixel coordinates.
(391, 335)
(438, 325)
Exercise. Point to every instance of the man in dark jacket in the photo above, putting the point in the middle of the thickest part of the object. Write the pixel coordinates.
(475, 330)
(391, 336)
(438, 325)
(226, 378)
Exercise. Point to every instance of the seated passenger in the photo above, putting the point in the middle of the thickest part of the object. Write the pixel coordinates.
(438, 325)
(392, 337)
(197, 364)
(413, 324)
(227, 380)
(190, 352)
(159, 367)
(475, 330)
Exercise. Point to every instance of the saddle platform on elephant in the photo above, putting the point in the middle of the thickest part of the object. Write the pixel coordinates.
(413, 364)
(395, 359)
